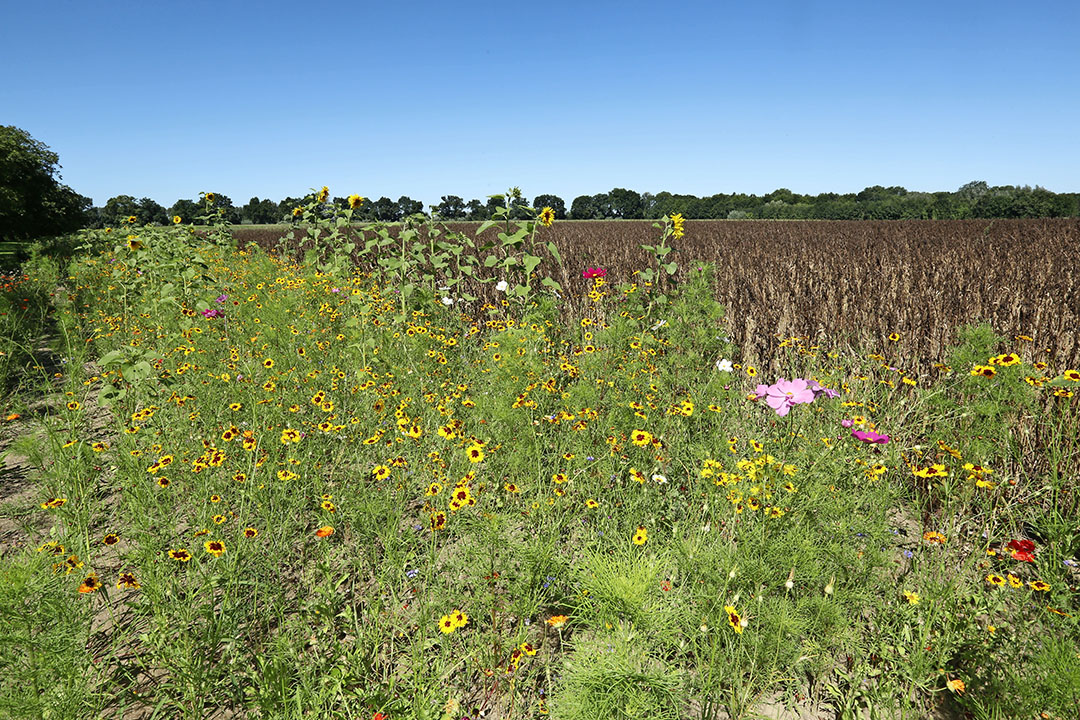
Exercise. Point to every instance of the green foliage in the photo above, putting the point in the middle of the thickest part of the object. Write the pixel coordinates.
(33, 202)
(619, 674)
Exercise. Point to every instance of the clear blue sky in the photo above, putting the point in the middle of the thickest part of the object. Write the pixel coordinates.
(164, 99)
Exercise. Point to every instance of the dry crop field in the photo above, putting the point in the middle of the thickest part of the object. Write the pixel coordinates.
(857, 282)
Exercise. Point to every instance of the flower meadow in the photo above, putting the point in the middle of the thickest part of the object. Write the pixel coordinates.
(403, 476)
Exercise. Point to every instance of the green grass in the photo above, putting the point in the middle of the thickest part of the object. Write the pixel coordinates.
(782, 557)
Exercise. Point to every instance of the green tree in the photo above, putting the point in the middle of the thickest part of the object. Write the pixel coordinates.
(260, 212)
(187, 210)
(552, 201)
(625, 203)
(451, 208)
(118, 209)
(386, 210)
(476, 210)
(33, 202)
(407, 206)
(150, 212)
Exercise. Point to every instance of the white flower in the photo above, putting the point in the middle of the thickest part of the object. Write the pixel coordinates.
(502, 286)
(659, 479)
(659, 324)
(447, 301)
(724, 365)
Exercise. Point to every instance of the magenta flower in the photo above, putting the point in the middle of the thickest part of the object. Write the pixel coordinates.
(212, 313)
(820, 389)
(869, 437)
(786, 393)
(593, 272)
(846, 422)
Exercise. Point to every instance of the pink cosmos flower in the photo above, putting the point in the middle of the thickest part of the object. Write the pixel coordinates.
(593, 272)
(786, 393)
(869, 437)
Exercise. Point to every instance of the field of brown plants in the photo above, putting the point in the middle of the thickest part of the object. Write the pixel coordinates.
(856, 282)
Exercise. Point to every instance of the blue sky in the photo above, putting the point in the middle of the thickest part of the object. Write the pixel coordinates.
(426, 99)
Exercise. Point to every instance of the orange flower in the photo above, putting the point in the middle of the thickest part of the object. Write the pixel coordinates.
(956, 685)
(324, 531)
(557, 621)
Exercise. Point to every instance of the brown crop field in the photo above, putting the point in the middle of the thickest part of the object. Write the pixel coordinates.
(856, 282)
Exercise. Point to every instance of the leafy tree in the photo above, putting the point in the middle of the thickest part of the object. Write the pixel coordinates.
(477, 211)
(451, 208)
(260, 212)
(552, 201)
(188, 210)
(625, 203)
(407, 206)
(386, 210)
(118, 209)
(150, 212)
(582, 208)
(33, 202)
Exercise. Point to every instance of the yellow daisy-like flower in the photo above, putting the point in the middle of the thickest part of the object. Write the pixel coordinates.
(215, 547)
(475, 453)
(355, 201)
(994, 579)
(546, 217)
(912, 598)
(733, 619)
(641, 535)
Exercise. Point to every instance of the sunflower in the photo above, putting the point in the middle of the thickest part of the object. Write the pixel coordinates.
(546, 217)
(355, 201)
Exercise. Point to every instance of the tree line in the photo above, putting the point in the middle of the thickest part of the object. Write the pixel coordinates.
(34, 203)
(973, 200)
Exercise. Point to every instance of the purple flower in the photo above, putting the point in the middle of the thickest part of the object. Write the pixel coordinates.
(786, 393)
(211, 313)
(221, 298)
(820, 389)
(847, 422)
(869, 437)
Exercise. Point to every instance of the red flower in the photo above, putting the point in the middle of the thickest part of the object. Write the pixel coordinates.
(593, 272)
(1021, 550)
(378, 716)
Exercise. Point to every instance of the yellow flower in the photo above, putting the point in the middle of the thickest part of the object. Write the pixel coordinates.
(475, 453)
(176, 220)
(546, 217)
(677, 221)
(323, 194)
(641, 535)
(912, 598)
(733, 619)
(297, 212)
(355, 201)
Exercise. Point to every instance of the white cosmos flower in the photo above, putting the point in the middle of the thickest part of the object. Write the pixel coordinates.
(724, 365)
(447, 301)
(502, 286)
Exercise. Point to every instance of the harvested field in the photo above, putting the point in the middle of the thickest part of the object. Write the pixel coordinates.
(857, 281)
